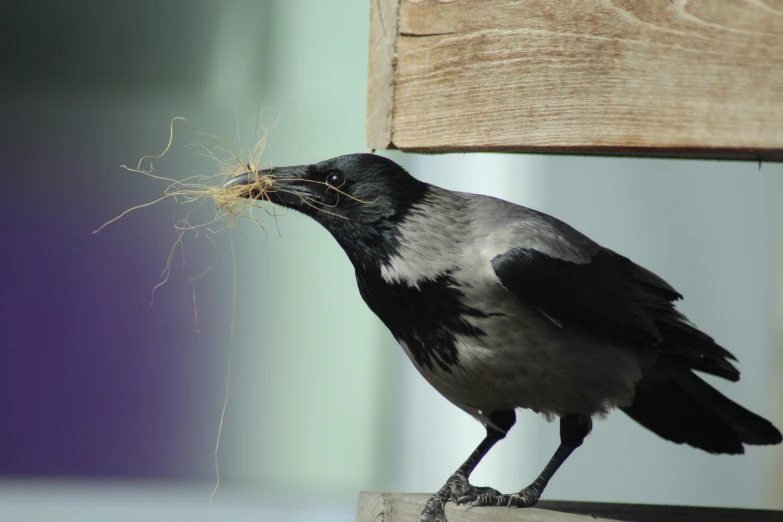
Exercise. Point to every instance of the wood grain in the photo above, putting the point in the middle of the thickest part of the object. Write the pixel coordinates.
(380, 88)
(661, 78)
(399, 507)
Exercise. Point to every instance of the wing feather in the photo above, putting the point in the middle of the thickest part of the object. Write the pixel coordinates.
(606, 295)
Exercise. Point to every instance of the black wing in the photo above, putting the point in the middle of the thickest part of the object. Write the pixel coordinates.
(611, 297)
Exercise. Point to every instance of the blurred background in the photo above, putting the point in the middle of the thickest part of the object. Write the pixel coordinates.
(112, 406)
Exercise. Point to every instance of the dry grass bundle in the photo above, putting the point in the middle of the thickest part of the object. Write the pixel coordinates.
(230, 202)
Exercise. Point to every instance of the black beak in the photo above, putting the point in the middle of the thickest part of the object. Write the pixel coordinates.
(288, 186)
(248, 178)
(242, 179)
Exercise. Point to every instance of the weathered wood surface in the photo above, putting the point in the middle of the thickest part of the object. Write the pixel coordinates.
(618, 77)
(404, 507)
(380, 84)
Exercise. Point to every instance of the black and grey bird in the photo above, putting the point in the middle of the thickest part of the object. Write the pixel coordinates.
(502, 307)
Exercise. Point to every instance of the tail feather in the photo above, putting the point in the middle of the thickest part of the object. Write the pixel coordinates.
(750, 428)
(688, 410)
(702, 352)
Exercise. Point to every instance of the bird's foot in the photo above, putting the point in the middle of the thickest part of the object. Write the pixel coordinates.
(460, 491)
(433, 510)
(528, 497)
(479, 496)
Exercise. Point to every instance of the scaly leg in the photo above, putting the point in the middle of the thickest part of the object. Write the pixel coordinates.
(458, 486)
(573, 430)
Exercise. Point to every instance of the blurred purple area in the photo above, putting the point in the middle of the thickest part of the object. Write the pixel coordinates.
(94, 381)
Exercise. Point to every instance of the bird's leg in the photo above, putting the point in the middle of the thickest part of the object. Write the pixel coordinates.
(573, 430)
(457, 486)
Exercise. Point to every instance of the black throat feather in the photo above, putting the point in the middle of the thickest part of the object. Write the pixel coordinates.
(428, 317)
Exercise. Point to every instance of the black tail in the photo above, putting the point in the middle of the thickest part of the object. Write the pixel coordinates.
(688, 410)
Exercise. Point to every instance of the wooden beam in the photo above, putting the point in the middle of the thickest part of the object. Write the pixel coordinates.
(616, 77)
(380, 87)
(399, 507)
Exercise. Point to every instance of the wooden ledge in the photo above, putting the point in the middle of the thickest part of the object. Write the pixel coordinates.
(406, 507)
(686, 79)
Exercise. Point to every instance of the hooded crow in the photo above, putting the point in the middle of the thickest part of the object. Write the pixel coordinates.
(502, 307)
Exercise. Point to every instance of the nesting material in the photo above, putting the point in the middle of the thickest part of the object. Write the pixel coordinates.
(231, 202)
(191, 193)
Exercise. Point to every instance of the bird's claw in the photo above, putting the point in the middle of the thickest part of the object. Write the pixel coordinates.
(455, 488)
(460, 491)
(477, 496)
(528, 497)
(433, 511)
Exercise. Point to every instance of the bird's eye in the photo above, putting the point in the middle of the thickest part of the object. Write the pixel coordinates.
(335, 179)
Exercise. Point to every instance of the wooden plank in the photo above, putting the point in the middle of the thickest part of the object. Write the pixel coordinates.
(380, 89)
(398, 507)
(619, 77)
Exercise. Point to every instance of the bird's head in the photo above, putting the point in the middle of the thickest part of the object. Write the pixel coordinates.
(357, 197)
